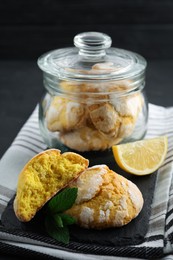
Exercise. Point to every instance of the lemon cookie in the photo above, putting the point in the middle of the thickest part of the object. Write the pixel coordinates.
(127, 126)
(105, 199)
(128, 105)
(87, 139)
(65, 115)
(104, 67)
(42, 177)
(105, 118)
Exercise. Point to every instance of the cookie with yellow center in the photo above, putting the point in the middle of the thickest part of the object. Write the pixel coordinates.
(42, 177)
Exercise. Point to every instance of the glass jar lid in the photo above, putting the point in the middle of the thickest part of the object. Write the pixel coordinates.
(92, 58)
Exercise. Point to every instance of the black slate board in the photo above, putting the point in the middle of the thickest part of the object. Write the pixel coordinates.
(131, 234)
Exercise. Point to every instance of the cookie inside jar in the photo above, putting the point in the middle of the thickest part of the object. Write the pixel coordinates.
(95, 95)
(96, 119)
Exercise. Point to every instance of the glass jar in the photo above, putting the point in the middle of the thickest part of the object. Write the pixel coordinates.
(95, 95)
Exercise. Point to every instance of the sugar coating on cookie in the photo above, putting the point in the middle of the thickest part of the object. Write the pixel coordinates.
(113, 202)
(88, 185)
(64, 115)
(126, 127)
(87, 139)
(105, 118)
(128, 105)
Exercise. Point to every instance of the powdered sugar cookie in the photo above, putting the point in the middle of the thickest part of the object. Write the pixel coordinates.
(65, 115)
(105, 199)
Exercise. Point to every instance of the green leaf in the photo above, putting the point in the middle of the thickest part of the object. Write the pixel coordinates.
(58, 220)
(63, 200)
(67, 219)
(60, 234)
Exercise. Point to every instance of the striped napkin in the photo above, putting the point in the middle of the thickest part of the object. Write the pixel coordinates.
(158, 241)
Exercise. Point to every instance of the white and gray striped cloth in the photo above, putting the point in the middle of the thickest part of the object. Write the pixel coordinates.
(158, 243)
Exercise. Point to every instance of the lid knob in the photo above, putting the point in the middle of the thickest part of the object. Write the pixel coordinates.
(92, 44)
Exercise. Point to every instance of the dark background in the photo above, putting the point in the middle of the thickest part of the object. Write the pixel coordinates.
(30, 28)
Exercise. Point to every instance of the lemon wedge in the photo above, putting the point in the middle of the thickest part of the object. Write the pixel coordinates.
(141, 157)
